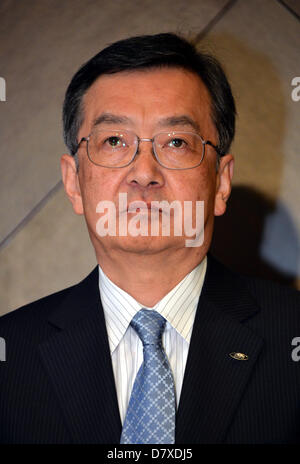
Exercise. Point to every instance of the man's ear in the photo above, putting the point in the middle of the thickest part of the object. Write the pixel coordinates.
(223, 186)
(71, 182)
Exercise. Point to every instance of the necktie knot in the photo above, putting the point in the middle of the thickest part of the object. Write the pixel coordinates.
(149, 325)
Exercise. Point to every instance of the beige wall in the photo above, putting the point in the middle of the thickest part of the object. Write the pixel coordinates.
(44, 246)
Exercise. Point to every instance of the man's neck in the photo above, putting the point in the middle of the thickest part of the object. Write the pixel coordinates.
(148, 278)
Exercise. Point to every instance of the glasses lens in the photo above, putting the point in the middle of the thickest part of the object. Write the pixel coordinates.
(111, 148)
(179, 150)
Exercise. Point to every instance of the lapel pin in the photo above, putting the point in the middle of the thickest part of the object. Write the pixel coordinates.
(239, 356)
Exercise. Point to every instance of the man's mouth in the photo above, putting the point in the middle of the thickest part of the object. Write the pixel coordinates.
(145, 207)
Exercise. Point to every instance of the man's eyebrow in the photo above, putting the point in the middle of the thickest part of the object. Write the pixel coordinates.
(181, 120)
(109, 118)
(171, 121)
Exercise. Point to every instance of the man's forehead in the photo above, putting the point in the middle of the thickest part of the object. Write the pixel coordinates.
(111, 96)
(173, 77)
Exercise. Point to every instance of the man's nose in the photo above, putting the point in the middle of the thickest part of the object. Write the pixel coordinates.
(145, 169)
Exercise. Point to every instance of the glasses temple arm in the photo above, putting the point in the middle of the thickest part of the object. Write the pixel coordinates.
(83, 139)
(219, 152)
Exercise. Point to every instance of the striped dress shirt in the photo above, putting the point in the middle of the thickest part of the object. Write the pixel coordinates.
(178, 307)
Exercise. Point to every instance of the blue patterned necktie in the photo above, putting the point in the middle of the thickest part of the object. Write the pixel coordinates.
(150, 416)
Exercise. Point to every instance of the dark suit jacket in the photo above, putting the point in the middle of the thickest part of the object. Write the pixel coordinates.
(57, 384)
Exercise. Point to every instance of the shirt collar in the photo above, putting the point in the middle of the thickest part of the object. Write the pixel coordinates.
(178, 306)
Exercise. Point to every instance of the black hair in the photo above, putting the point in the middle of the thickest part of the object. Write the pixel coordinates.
(151, 51)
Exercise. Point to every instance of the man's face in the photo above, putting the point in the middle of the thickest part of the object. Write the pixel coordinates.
(147, 102)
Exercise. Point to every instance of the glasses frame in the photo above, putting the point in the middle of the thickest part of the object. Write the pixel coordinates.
(152, 140)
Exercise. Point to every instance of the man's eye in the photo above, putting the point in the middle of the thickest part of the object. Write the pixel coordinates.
(177, 143)
(114, 141)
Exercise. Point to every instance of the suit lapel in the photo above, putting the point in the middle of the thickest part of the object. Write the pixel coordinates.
(78, 361)
(214, 382)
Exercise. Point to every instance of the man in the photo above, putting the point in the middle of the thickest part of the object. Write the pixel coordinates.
(149, 122)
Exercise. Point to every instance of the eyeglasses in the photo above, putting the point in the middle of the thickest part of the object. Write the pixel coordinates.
(172, 150)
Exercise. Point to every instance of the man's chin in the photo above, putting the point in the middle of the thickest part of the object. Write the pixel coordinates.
(142, 244)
